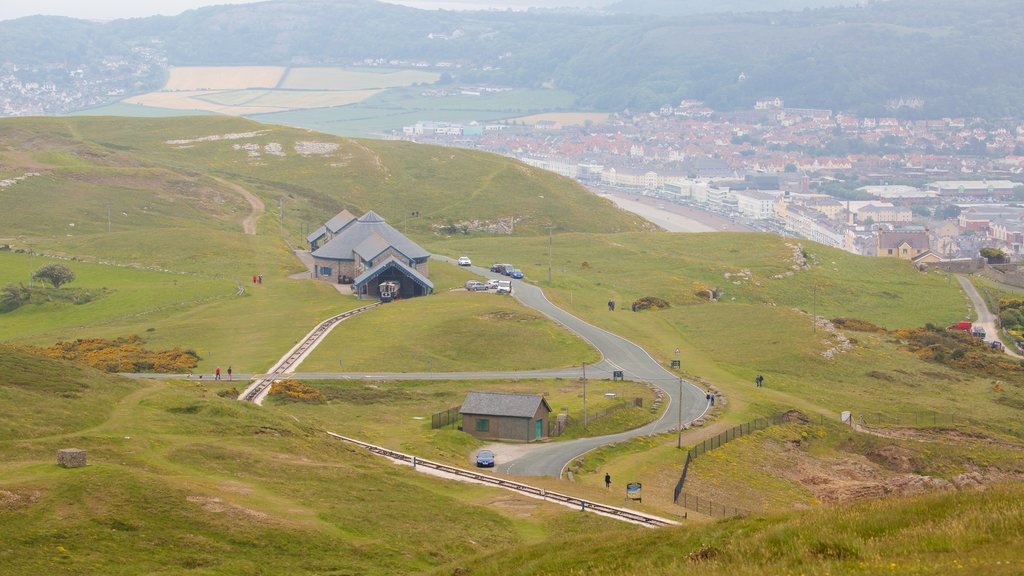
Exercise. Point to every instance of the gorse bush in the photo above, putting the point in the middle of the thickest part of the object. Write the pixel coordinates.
(122, 355)
(295, 391)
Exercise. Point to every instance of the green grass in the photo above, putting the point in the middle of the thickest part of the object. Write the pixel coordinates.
(398, 414)
(936, 534)
(395, 108)
(450, 332)
(182, 480)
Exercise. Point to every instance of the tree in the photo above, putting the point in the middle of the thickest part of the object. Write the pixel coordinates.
(994, 255)
(56, 274)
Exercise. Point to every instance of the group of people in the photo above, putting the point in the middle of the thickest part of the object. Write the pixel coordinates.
(257, 278)
(710, 397)
(759, 381)
(216, 373)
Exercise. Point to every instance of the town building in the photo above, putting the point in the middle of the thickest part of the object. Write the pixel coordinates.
(905, 243)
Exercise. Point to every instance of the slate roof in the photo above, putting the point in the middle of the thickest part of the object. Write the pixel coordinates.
(916, 239)
(339, 221)
(345, 244)
(503, 404)
(393, 263)
(318, 234)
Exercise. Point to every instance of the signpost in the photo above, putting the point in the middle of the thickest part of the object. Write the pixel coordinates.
(633, 491)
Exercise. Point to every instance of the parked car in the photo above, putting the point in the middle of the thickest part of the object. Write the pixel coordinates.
(475, 286)
(485, 459)
(496, 267)
(501, 268)
(465, 261)
(492, 283)
(504, 287)
(516, 273)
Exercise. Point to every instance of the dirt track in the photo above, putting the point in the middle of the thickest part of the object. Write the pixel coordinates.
(249, 223)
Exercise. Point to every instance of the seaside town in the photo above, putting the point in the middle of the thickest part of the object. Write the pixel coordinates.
(923, 190)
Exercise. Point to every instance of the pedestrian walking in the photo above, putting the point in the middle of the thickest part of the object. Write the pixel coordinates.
(216, 373)
(229, 372)
(759, 380)
(607, 480)
(259, 279)
(253, 278)
(712, 398)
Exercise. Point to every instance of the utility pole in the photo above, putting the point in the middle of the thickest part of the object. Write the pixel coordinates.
(814, 308)
(679, 439)
(584, 397)
(549, 254)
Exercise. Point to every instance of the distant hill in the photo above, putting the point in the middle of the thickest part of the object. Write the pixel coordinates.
(687, 7)
(106, 178)
(957, 58)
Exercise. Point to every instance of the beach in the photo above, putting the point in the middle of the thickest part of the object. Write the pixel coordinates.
(668, 215)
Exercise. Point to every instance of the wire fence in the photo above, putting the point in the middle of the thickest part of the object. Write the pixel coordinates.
(721, 439)
(554, 430)
(450, 417)
(912, 419)
(707, 506)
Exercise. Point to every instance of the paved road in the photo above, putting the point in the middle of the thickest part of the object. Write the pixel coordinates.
(986, 319)
(549, 459)
(619, 354)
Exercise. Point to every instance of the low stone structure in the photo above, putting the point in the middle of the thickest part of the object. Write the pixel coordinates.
(71, 458)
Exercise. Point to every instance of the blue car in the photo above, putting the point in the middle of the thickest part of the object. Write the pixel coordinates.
(485, 459)
(516, 273)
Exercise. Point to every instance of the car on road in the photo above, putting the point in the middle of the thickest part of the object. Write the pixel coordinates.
(475, 286)
(492, 283)
(485, 459)
(516, 273)
(504, 287)
(502, 268)
(465, 261)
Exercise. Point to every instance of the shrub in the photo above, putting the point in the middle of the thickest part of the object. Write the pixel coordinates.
(55, 274)
(295, 391)
(857, 325)
(650, 303)
(124, 354)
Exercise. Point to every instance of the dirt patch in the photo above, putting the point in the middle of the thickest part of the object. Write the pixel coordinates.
(513, 506)
(504, 315)
(218, 506)
(895, 458)
(14, 500)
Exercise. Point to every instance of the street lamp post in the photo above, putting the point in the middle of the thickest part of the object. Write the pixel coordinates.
(584, 397)
(549, 254)
(679, 431)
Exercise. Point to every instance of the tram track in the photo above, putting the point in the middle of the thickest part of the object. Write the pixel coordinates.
(261, 385)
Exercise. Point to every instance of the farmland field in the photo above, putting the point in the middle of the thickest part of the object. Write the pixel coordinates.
(565, 118)
(342, 79)
(223, 77)
(285, 99)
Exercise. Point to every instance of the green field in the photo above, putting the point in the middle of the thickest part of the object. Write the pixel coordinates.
(353, 79)
(396, 108)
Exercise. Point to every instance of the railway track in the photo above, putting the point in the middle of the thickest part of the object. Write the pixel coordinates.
(570, 501)
(259, 388)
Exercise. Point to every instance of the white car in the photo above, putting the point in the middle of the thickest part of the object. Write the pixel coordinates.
(492, 283)
(504, 287)
(465, 261)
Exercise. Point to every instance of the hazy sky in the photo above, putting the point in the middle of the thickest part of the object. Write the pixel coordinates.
(103, 9)
(112, 9)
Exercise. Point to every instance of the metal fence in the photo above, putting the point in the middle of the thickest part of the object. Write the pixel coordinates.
(916, 419)
(724, 438)
(553, 430)
(450, 417)
(709, 507)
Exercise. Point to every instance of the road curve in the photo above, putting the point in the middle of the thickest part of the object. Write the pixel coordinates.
(619, 354)
(986, 319)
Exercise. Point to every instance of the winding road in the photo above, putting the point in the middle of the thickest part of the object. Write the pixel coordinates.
(618, 354)
(986, 319)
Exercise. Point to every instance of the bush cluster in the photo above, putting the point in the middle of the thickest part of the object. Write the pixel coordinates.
(651, 303)
(959, 349)
(125, 354)
(295, 391)
(857, 325)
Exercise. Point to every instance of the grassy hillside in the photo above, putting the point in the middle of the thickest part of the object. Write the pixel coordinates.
(937, 534)
(180, 480)
(150, 214)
